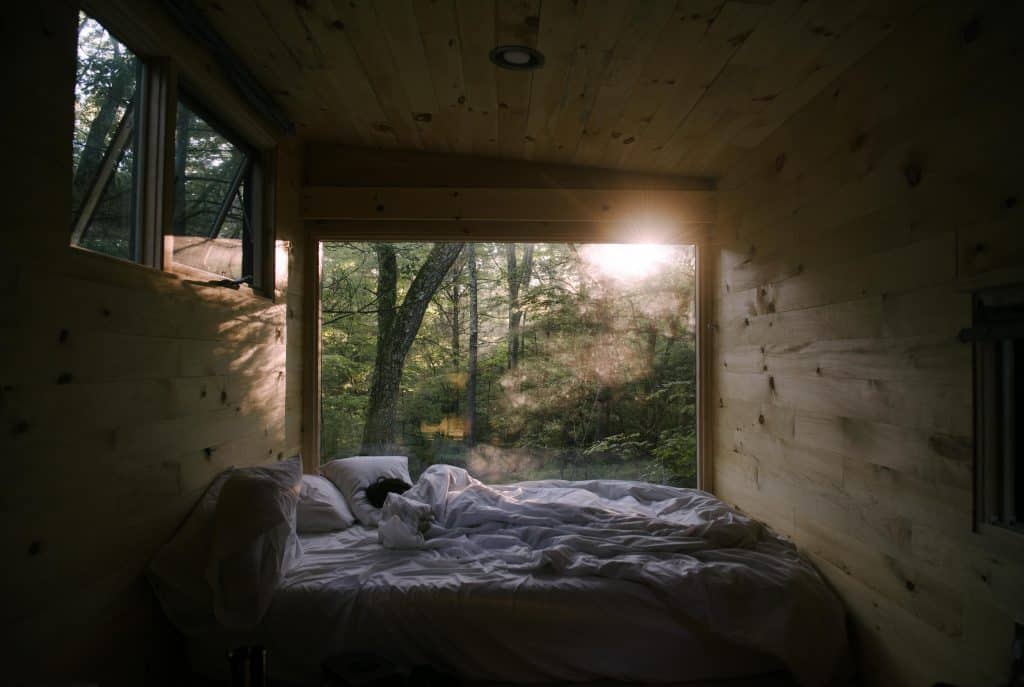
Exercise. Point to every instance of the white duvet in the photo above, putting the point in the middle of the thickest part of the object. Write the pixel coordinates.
(718, 569)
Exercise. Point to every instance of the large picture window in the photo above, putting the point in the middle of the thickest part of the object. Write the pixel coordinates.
(516, 361)
(104, 187)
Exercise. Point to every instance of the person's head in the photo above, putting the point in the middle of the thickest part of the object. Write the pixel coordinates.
(378, 492)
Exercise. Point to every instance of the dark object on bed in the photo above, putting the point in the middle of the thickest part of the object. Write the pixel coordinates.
(378, 492)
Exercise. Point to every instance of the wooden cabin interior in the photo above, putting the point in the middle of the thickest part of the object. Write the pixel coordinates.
(850, 173)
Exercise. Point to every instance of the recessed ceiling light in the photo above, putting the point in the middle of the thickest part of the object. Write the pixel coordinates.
(517, 57)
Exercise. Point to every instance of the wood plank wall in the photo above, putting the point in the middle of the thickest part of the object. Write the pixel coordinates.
(123, 391)
(847, 243)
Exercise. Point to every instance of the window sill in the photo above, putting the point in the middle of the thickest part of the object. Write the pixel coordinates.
(83, 262)
(200, 277)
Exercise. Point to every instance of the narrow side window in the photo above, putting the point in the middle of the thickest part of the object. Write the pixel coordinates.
(998, 335)
(213, 227)
(105, 212)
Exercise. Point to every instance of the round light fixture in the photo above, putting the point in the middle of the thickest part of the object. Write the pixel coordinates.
(517, 57)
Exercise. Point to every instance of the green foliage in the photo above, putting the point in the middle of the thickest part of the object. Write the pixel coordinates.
(206, 162)
(106, 127)
(603, 385)
(105, 87)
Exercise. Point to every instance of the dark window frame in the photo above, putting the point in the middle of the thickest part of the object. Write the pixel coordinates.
(252, 173)
(997, 336)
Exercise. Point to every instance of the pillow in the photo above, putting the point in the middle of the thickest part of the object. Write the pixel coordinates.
(322, 508)
(254, 540)
(353, 475)
(176, 573)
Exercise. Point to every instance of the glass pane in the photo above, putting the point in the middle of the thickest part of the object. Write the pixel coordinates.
(235, 220)
(582, 365)
(209, 201)
(103, 145)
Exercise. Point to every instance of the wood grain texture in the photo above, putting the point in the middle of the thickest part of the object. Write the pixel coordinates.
(123, 392)
(679, 86)
(627, 207)
(340, 165)
(847, 238)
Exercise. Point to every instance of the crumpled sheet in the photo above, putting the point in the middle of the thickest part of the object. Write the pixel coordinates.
(717, 567)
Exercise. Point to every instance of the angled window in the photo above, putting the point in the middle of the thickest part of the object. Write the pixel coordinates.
(105, 182)
(214, 188)
(158, 179)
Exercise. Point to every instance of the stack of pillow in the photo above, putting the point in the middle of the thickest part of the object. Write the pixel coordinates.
(223, 565)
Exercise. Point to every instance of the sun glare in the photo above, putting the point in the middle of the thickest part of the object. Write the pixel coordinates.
(627, 261)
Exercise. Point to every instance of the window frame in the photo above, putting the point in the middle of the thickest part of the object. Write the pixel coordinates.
(254, 198)
(318, 233)
(82, 216)
(986, 336)
(161, 81)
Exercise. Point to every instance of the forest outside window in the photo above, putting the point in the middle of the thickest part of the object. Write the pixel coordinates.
(213, 226)
(517, 361)
(130, 136)
(105, 144)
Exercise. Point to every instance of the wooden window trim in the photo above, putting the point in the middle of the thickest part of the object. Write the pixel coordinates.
(704, 319)
(157, 99)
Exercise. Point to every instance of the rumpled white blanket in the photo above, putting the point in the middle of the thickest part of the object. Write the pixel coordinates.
(706, 561)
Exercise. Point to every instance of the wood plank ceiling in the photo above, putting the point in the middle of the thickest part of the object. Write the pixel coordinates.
(652, 85)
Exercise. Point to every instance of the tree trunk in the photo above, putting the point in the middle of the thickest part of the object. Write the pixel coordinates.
(525, 274)
(396, 330)
(101, 128)
(518, 281)
(513, 305)
(651, 381)
(474, 344)
(456, 325)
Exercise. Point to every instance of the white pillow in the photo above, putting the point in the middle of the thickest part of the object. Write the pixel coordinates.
(322, 508)
(177, 571)
(254, 540)
(353, 475)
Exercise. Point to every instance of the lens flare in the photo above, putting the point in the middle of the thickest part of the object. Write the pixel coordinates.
(627, 261)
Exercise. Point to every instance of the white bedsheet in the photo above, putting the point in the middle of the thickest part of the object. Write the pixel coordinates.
(723, 571)
(555, 581)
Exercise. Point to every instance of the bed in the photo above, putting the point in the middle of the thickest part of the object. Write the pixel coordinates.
(548, 582)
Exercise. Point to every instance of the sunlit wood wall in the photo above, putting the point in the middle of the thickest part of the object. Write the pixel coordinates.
(847, 245)
(123, 391)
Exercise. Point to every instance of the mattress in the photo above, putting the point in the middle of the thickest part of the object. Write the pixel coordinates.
(480, 622)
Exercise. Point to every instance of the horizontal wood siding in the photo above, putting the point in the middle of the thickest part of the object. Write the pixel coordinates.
(842, 410)
(123, 391)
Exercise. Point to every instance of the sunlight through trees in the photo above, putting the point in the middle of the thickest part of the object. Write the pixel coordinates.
(530, 360)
